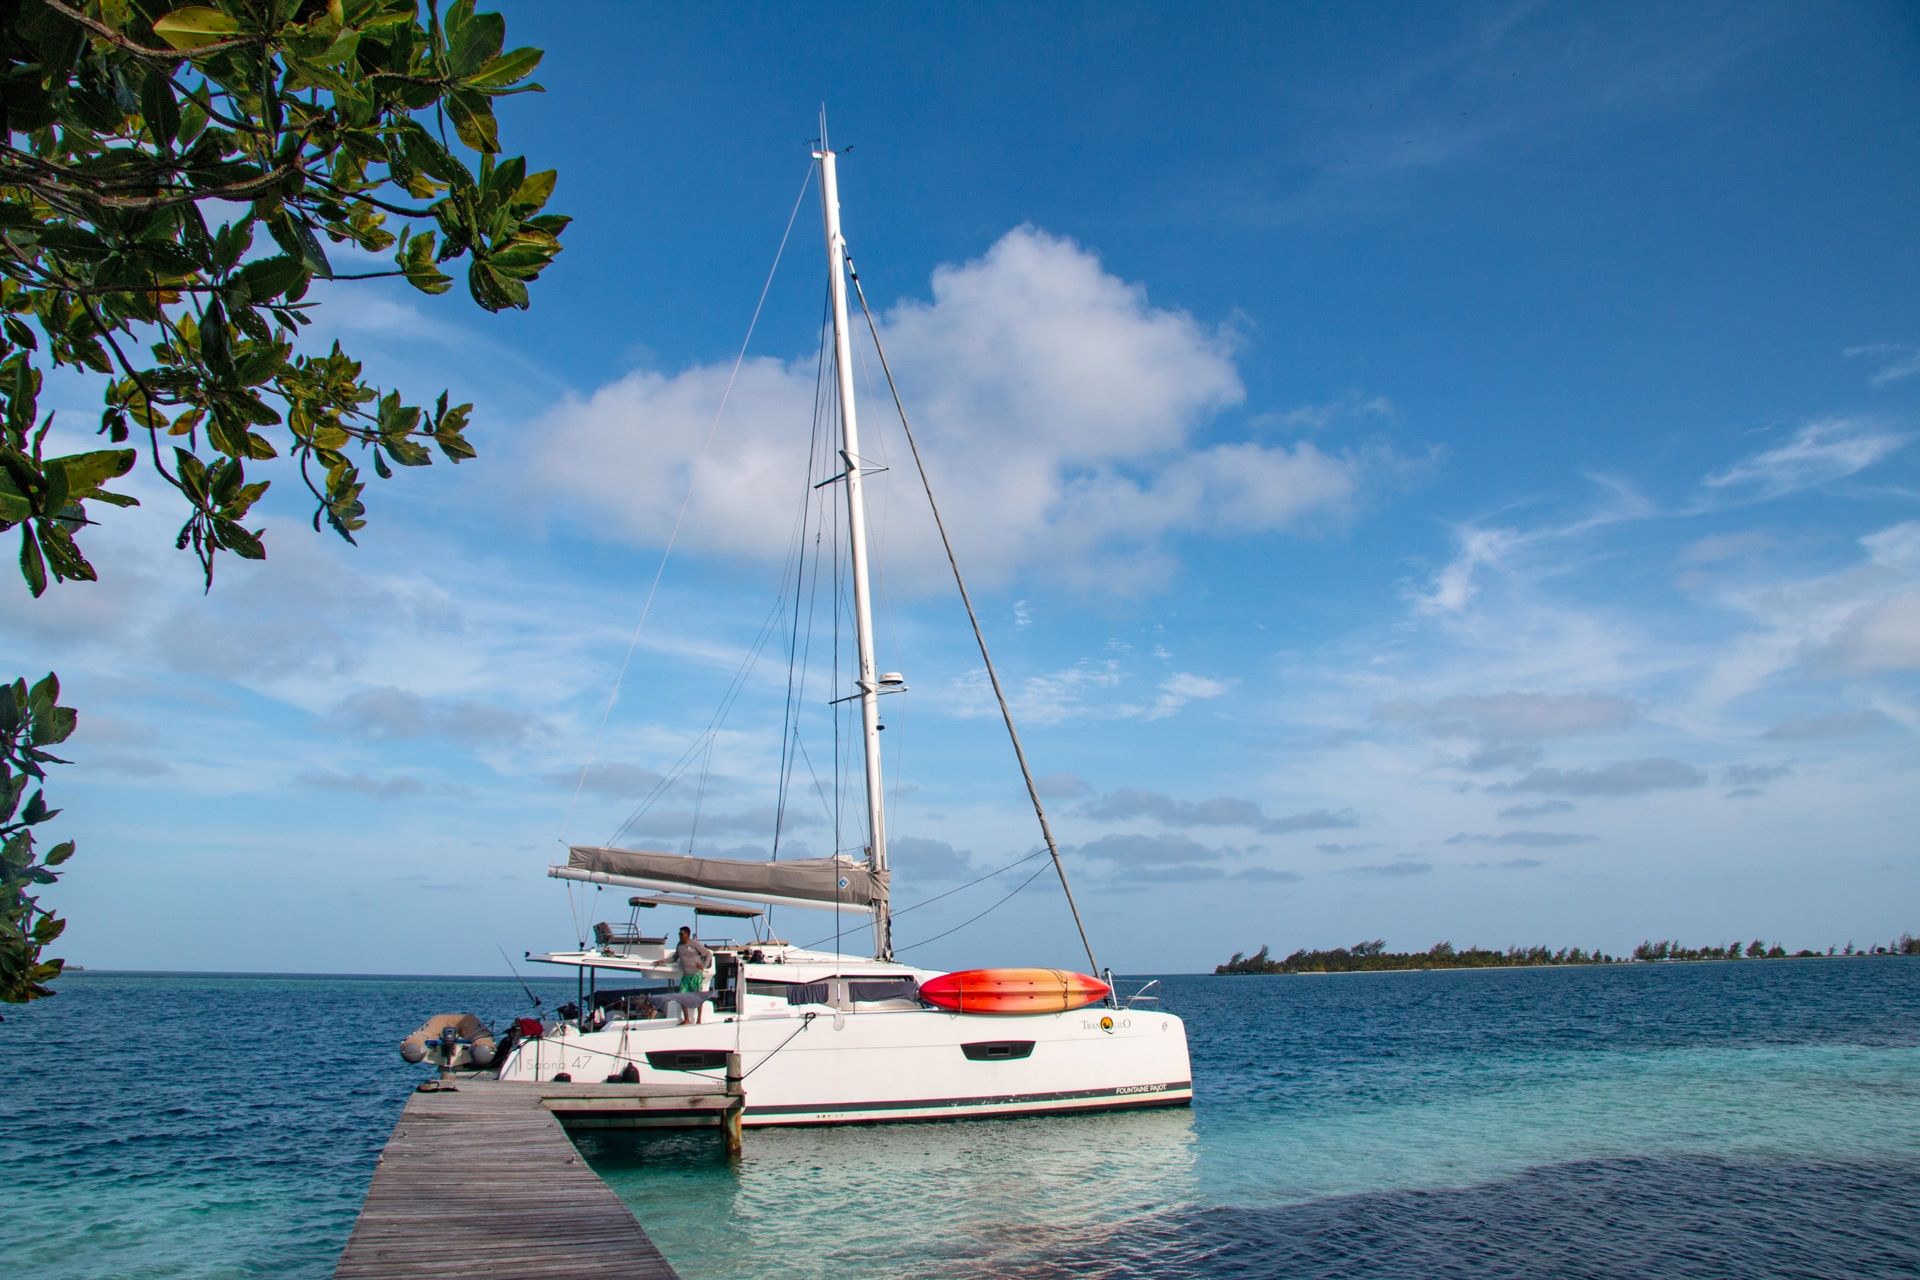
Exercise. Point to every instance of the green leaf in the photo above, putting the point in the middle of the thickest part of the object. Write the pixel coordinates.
(532, 194)
(84, 473)
(32, 567)
(476, 41)
(247, 546)
(268, 278)
(473, 120)
(195, 26)
(59, 853)
(506, 69)
(158, 106)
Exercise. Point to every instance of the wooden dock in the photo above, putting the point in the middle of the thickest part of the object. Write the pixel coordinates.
(483, 1178)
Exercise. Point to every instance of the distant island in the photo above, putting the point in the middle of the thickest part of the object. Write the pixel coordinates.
(1374, 956)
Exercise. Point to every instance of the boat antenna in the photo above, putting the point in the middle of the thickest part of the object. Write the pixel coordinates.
(979, 636)
(516, 975)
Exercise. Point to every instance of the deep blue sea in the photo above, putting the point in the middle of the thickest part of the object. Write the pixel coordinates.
(1745, 1119)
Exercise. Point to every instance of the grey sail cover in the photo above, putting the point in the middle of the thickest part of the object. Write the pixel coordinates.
(822, 880)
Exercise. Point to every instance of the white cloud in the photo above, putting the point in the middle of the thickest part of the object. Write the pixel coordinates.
(1861, 621)
(1056, 406)
(1897, 360)
(1877, 637)
(1629, 777)
(1820, 452)
(1455, 586)
(1314, 417)
(1177, 690)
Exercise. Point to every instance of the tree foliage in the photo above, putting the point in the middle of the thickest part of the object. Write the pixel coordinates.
(170, 183)
(31, 722)
(1372, 955)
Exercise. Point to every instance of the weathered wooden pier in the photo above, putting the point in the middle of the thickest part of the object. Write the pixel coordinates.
(481, 1176)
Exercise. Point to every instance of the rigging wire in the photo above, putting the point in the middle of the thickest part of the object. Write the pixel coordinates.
(927, 902)
(1038, 872)
(796, 661)
(979, 636)
(686, 500)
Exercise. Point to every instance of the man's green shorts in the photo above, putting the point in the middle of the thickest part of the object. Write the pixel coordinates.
(692, 981)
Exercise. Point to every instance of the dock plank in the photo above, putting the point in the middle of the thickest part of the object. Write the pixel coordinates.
(485, 1178)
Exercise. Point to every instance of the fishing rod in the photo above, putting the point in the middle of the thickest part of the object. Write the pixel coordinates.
(516, 975)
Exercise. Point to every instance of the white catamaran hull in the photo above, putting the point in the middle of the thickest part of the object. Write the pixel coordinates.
(868, 1066)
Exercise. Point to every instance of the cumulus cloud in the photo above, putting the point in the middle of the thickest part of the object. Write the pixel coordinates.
(1220, 811)
(1819, 453)
(1337, 850)
(1537, 809)
(1834, 724)
(1061, 786)
(1629, 777)
(1512, 717)
(1523, 839)
(1057, 408)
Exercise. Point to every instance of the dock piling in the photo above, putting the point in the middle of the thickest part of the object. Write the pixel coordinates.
(736, 1090)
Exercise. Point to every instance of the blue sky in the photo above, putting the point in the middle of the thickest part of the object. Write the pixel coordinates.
(1429, 472)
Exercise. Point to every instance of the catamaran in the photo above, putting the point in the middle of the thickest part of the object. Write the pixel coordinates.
(824, 1037)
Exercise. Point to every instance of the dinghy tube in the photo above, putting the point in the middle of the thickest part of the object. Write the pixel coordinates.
(476, 1042)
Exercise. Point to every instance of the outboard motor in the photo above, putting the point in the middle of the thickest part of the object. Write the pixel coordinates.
(456, 1039)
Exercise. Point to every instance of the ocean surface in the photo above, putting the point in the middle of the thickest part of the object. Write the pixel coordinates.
(1744, 1119)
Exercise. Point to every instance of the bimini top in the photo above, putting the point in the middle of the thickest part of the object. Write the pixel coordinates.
(827, 883)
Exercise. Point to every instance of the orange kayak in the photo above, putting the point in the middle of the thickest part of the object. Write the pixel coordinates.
(1013, 991)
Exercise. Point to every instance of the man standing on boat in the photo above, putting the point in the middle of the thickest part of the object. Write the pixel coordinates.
(694, 959)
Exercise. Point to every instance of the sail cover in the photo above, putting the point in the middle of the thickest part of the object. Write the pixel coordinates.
(818, 882)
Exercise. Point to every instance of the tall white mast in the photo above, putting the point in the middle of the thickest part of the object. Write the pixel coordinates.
(868, 684)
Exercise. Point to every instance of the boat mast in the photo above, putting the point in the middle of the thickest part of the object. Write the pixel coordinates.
(868, 683)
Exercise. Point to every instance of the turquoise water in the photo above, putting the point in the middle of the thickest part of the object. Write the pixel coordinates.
(1743, 1119)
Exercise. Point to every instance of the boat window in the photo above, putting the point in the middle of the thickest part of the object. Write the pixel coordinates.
(883, 989)
(687, 1059)
(997, 1050)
